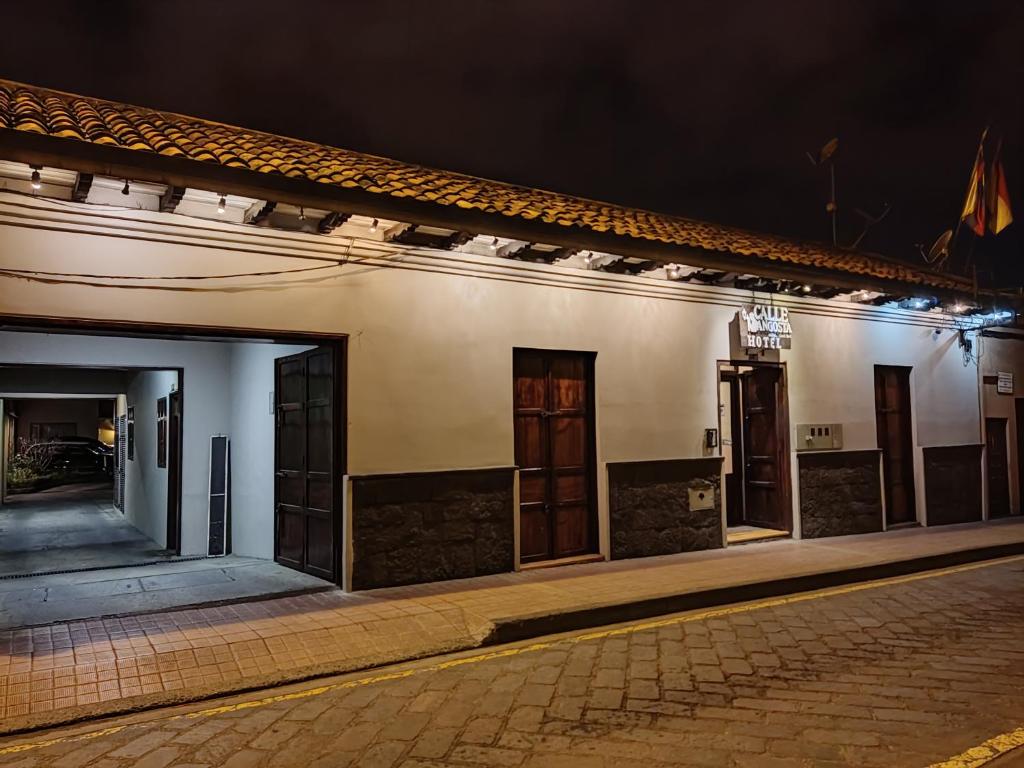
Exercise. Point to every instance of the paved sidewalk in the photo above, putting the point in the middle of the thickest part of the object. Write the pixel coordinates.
(62, 597)
(66, 671)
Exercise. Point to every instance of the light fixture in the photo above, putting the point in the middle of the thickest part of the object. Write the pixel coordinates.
(958, 307)
(126, 190)
(806, 289)
(222, 204)
(37, 181)
(494, 244)
(373, 226)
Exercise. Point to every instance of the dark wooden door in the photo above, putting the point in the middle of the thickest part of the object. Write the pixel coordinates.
(174, 472)
(997, 461)
(554, 448)
(1019, 436)
(766, 475)
(893, 425)
(304, 498)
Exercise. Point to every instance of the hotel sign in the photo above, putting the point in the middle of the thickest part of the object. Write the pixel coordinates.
(764, 327)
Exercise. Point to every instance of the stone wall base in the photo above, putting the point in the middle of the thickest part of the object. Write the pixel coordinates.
(952, 483)
(840, 493)
(650, 512)
(431, 526)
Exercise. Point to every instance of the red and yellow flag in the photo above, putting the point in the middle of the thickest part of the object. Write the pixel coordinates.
(973, 214)
(997, 196)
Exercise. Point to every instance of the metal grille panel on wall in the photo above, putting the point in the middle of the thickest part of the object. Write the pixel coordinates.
(121, 456)
(219, 506)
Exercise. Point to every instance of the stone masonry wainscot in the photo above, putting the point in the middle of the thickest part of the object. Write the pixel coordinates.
(650, 510)
(431, 526)
(840, 493)
(952, 483)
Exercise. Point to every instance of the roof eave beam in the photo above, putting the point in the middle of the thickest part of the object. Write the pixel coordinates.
(177, 171)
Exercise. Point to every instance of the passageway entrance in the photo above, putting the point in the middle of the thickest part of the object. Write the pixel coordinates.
(217, 443)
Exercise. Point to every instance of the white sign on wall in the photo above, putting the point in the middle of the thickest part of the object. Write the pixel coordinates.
(765, 327)
(1004, 383)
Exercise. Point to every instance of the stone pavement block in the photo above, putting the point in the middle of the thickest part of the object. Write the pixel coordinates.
(880, 708)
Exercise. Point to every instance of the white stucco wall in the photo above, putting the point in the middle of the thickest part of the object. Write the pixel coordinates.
(431, 339)
(1005, 355)
(145, 484)
(251, 384)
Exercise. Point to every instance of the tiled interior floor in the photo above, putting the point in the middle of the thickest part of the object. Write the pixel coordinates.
(48, 672)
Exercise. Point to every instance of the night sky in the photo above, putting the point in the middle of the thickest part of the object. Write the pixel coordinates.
(702, 109)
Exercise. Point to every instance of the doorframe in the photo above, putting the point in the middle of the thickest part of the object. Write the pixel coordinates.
(593, 506)
(184, 332)
(174, 490)
(916, 449)
(785, 468)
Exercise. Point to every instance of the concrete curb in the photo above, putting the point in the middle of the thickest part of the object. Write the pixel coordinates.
(521, 628)
(524, 628)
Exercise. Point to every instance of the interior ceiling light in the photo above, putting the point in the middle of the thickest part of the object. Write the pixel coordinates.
(221, 204)
(806, 289)
(37, 181)
(125, 190)
(373, 226)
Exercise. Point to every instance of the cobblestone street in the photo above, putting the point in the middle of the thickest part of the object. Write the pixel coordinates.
(908, 672)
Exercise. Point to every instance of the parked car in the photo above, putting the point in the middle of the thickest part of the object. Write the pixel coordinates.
(92, 442)
(73, 459)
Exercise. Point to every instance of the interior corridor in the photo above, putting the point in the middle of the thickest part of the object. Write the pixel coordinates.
(70, 527)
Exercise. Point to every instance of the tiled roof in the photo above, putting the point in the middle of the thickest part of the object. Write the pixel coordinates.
(52, 113)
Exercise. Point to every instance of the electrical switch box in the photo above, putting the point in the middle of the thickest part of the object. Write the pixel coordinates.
(701, 497)
(819, 437)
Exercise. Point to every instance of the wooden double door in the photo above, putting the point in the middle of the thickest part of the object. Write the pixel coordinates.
(554, 449)
(306, 446)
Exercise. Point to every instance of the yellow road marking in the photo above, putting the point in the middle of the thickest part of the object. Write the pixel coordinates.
(710, 613)
(985, 752)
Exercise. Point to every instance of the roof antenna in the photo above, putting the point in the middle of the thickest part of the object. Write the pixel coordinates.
(826, 155)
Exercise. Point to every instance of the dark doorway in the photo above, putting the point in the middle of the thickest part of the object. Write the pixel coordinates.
(554, 449)
(755, 444)
(732, 447)
(997, 461)
(895, 439)
(174, 472)
(305, 498)
(765, 429)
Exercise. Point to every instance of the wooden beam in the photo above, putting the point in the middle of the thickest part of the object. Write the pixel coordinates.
(170, 198)
(263, 213)
(628, 267)
(416, 236)
(120, 162)
(530, 252)
(331, 222)
(83, 183)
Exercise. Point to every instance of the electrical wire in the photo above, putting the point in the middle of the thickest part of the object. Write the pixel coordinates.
(91, 276)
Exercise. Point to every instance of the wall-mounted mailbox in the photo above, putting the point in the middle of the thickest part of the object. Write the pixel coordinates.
(701, 497)
(819, 437)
